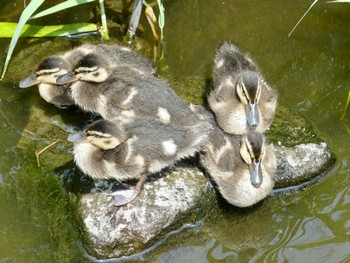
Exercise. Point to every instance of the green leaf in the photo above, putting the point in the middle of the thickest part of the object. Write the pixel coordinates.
(61, 6)
(7, 30)
(104, 30)
(27, 12)
(339, 1)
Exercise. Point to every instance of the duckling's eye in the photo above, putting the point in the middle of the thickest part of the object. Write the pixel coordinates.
(81, 72)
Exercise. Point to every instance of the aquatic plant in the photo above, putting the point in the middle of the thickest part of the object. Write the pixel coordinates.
(33, 6)
(21, 29)
(152, 20)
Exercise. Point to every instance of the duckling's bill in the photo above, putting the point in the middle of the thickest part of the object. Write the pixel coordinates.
(256, 174)
(67, 78)
(79, 137)
(253, 117)
(29, 81)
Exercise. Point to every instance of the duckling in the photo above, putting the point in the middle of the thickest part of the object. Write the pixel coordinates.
(243, 167)
(123, 94)
(241, 99)
(108, 150)
(51, 67)
(45, 76)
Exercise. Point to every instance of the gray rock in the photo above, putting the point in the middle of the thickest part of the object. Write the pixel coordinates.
(301, 163)
(165, 203)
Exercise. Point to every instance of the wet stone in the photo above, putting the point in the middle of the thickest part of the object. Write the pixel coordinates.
(174, 198)
(301, 163)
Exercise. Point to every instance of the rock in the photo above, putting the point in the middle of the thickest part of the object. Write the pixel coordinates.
(165, 204)
(301, 163)
(301, 154)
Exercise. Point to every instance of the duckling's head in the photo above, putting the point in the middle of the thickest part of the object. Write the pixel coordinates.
(102, 133)
(252, 152)
(248, 91)
(91, 67)
(47, 72)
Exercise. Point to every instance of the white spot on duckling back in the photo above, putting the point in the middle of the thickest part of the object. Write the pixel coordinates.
(220, 63)
(130, 148)
(169, 147)
(132, 94)
(163, 115)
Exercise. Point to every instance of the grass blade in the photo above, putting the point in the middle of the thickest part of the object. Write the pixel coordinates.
(7, 30)
(61, 6)
(27, 12)
(307, 11)
(104, 30)
(161, 18)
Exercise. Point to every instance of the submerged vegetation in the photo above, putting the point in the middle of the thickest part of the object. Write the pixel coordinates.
(21, 29)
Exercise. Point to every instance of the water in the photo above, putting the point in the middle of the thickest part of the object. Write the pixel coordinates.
(310, 69)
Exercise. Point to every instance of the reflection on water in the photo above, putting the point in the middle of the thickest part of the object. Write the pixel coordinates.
(311, 71)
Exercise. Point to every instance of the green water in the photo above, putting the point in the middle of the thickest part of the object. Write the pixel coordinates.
(311, 71)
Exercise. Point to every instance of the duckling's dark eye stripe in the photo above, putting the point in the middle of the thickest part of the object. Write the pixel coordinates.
(250, 93)
(85, 69)
(255, 149)
(250, 149)
(98, 134)
(246, 93)
(46, 71)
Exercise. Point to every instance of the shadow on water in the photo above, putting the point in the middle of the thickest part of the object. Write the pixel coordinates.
(311, 72)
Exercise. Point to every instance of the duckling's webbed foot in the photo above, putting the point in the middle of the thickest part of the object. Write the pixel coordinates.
(123, 197)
